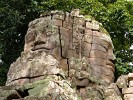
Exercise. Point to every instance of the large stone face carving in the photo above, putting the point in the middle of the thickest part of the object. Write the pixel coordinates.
(69, 46)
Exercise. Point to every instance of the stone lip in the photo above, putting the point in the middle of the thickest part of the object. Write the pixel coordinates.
(41, 48)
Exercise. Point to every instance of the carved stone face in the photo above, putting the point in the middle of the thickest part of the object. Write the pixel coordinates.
(78, 45)
(65, 48)
(94, 56)
(102, 57)
(91, 47)
(90, 52)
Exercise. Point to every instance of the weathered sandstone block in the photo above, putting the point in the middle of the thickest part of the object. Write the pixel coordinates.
(122, 81)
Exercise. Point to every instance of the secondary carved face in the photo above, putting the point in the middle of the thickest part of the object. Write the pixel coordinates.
(102, 57)
(94, 56)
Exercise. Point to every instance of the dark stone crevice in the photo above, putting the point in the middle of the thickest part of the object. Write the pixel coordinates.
(27, 77)
(19, 94)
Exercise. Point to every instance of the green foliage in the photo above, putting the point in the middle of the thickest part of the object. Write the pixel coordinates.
(122, 67)
(14, 19)
(115, 15)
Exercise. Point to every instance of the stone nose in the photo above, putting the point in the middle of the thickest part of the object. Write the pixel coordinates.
(40, 39)
(111, 56)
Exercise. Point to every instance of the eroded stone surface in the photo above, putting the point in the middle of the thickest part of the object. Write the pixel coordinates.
(112, 92)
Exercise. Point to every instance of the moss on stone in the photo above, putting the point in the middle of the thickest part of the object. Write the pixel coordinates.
(103, 30)
(32, 85)
(89, 17)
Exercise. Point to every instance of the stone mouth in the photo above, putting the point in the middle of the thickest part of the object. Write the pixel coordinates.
(111, 64)
(41, 47)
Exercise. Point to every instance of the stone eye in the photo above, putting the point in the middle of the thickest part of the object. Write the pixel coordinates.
(106, 47)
